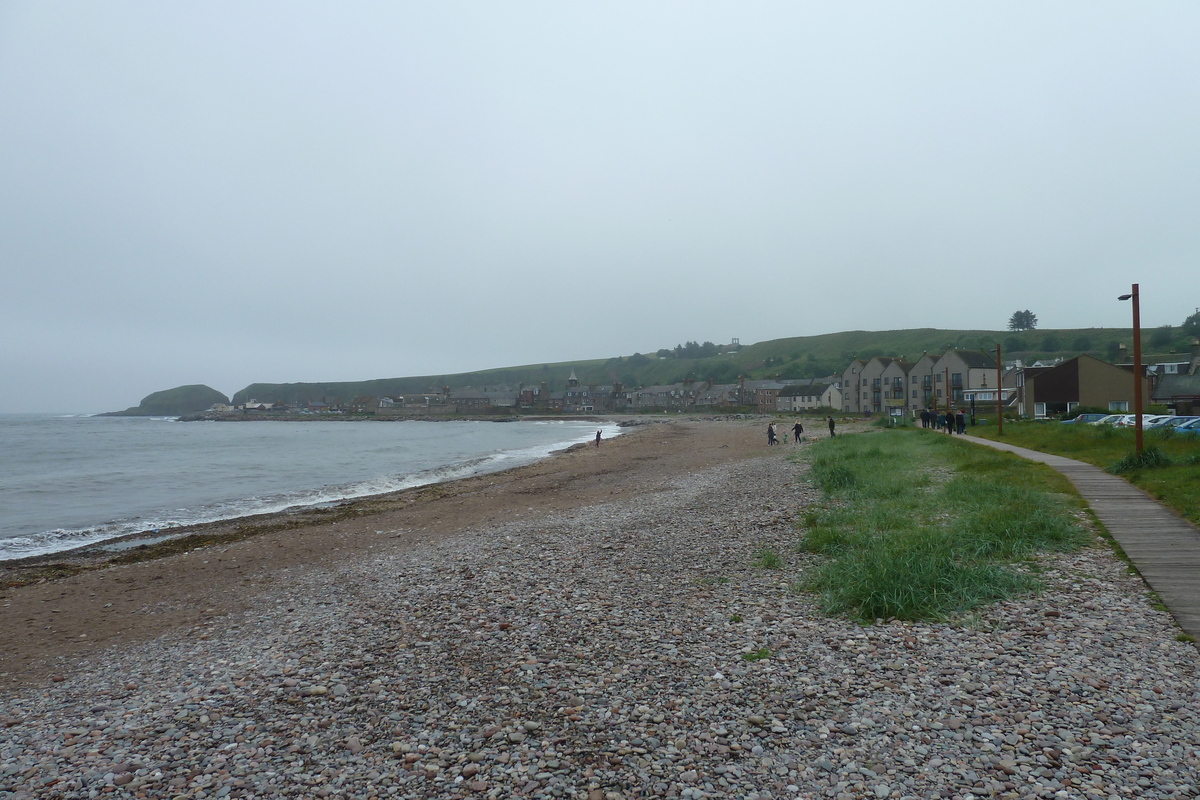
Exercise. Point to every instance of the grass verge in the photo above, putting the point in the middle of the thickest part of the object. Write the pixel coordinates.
(925, 527)
(1168, 469)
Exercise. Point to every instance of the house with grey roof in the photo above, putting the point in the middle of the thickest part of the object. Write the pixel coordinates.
(959, 370)
(808, 396)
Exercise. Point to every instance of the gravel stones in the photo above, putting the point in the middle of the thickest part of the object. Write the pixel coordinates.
(600, 655)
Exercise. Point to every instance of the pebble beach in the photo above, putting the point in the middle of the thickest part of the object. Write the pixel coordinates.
(631, 647)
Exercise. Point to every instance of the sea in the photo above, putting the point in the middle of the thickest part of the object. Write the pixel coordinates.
(67, 481)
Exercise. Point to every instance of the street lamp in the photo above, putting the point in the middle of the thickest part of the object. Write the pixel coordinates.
(1137, 366)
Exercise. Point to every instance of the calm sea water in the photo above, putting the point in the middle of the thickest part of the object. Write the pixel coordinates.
(69, 481)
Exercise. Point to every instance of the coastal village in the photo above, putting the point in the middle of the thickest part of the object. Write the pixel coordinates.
(971, 380)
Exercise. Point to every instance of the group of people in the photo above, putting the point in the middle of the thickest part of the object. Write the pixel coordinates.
(797, 430)
(948, 421)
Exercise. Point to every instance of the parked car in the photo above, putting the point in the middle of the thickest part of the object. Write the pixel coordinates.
(1084, 418)
(1130, 420)
(1111, 419)
(1173, 422)
(1191, 428)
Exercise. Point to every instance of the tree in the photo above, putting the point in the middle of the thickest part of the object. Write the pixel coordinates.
(1191, 325)
(1051, 343)
(1022, 321)
(1081, 343)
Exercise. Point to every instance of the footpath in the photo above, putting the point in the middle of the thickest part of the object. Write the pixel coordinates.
(1163, 546)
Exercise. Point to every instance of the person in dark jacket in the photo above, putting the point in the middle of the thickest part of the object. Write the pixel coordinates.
(797, 429)
(831, 426)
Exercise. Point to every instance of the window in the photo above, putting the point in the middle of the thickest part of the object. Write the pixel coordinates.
(1039, 409)
(914, 394)
(1117, 406)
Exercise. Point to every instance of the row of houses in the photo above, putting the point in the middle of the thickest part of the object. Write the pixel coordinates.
(589, 398)
(958, 378)
(899, 387)
(973, 379)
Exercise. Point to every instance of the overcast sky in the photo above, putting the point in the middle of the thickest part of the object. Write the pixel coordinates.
(225, 193)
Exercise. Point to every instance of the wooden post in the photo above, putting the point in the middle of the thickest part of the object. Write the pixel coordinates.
(949, 391)
(999, 392)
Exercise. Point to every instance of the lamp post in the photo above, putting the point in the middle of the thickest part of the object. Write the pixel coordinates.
(1137, 366)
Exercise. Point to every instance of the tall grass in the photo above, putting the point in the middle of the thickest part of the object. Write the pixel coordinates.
(922, 527)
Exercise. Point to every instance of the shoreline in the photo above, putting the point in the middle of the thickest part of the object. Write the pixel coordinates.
(226, 529)
(282, 541)
(100, 549)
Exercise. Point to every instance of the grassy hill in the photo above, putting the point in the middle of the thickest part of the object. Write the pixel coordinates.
(174, 402)
(796, 357)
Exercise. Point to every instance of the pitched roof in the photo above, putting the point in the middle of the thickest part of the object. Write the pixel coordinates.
(1170, 386)
(805, 390)
(976, 359)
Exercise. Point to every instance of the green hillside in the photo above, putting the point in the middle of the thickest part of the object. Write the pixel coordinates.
(796, 357)
(174, 402)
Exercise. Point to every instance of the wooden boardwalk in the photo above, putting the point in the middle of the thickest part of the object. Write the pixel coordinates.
(1163, 546)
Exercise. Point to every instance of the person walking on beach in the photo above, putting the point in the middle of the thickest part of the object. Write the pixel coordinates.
(831, 427)
(961, 419)
(597, 438)
(771, 434)
(797, 429)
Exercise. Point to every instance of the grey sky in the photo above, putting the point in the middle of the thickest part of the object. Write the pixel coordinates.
(224, 193)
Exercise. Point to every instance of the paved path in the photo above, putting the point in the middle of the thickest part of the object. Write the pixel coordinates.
(1162, 545)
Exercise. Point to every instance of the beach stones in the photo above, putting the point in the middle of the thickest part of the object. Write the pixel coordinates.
(585, 654)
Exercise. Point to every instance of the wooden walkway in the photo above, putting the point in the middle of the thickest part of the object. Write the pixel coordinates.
(1163, 546)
